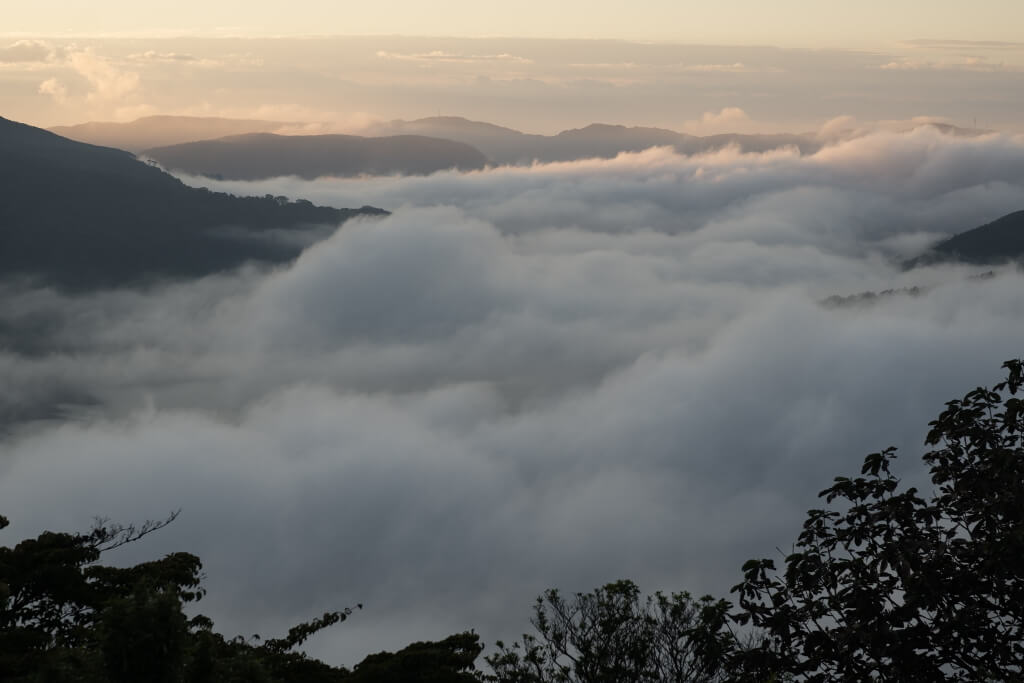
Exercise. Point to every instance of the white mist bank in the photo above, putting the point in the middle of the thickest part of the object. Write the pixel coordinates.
(552, 376)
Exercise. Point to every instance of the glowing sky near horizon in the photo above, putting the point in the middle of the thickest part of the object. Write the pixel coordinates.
(782, 22)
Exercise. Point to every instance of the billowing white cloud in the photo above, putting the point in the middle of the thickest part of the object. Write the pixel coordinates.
(525, 377)
(55, 89)
(22, 51)
(106, 85)
(106, 80)
(728, 120)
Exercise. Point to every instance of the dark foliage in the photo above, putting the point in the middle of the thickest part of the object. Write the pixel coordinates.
(884, 583)
(447, 661)
(887, 583)
(612, 635)
(86, 216)
(64, 617)
(864, 299)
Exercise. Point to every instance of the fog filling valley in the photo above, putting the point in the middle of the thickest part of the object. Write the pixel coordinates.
(525, 377)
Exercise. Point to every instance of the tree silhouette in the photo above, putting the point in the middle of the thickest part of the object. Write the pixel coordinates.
(887, 583)
(612, 635)
(65, 617)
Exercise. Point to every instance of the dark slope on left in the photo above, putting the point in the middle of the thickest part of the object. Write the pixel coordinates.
(83, 216)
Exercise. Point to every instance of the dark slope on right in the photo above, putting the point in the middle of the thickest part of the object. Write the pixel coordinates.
(83, 216)
(997, 242)
(262, 155)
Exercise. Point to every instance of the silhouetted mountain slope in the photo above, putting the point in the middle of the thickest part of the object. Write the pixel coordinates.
(508, 146)
(159, 131)
(85, 216)
(501, 145)
(261, 155)
(606, 141)
(997, 242)
(452, 127)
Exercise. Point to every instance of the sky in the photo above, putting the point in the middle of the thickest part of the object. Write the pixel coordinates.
(786, 23)
(342, 84)
(790, 65)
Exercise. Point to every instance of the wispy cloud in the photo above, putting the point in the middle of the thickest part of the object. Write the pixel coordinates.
(108, 85)
(108, 82)
(736, 67)
(55, 89)
(453, 57)
(975, 63)
(728, 119)
(941, 44)
(733, 67)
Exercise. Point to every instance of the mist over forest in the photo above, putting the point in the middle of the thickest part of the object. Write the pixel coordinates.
(555, 374)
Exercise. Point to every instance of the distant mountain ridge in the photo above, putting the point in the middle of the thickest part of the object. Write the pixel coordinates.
(598, 140)
(85, 216)
(159, 131)
(498, 144)
(264, 155)
(428, 145)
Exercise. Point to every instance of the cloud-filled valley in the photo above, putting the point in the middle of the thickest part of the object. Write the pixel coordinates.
(525, 377)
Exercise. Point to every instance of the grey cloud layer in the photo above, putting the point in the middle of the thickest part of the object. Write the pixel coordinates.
(524, 378)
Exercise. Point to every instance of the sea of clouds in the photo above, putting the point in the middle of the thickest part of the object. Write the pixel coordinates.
(523, 378)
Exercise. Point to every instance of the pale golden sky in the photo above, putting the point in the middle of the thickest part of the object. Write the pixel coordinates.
(535, 85)
(787, 23)
(744, 65)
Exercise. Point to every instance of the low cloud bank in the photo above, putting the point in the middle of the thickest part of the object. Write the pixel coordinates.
(852, 195)
(523, 378)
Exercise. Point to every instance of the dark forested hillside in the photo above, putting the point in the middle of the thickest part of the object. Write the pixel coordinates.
(1000, 241)
(262, 155)
(85, 216)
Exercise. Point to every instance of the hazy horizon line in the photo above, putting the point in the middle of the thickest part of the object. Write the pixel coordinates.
(174, 34)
